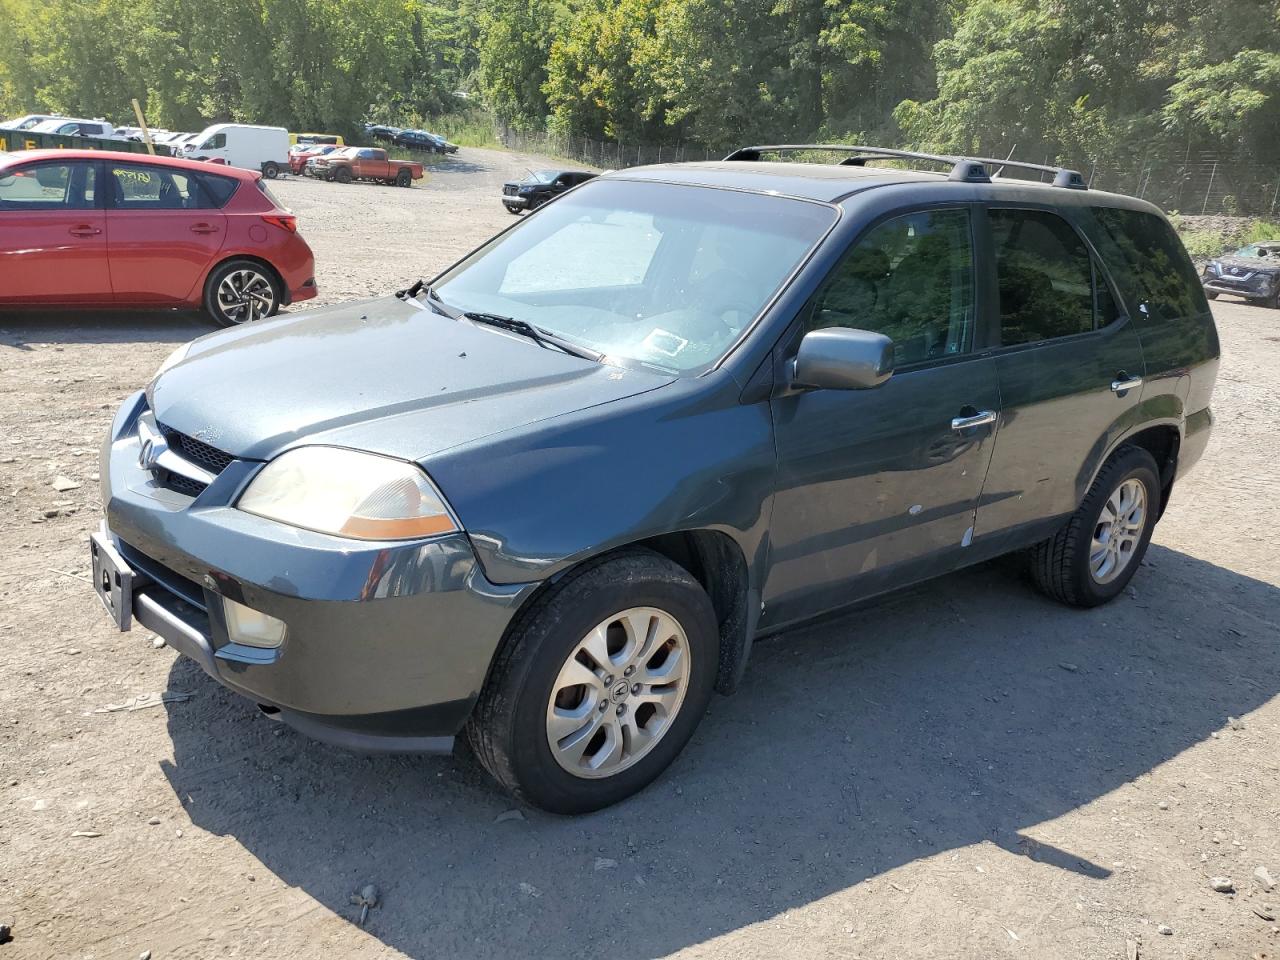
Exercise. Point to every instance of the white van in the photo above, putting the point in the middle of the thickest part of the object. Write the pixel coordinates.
(242, 145)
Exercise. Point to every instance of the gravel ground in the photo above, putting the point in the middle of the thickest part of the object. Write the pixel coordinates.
(963, 770)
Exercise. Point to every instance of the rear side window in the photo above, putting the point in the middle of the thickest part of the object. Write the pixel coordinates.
(1045, 277)
(1149, 263)
(137, 187)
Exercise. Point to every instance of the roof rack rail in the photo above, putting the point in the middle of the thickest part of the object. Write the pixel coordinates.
(963, 169)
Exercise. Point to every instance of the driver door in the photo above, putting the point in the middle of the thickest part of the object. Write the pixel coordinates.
(878, 488)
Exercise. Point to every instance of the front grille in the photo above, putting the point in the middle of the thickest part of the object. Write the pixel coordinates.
(197, 451)
(170, 579)
(175, 481)
(510, 190)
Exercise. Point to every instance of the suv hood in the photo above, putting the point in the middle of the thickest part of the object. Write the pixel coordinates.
(385, 376)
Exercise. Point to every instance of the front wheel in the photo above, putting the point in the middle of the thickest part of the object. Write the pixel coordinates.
(1095, 555)
(1211, 294)
(404, 179)
(513, 209)
(240, 291)
(271, 170)
(342, 175)
(599, 684)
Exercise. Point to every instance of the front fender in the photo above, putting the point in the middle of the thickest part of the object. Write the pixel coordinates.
(539, 500)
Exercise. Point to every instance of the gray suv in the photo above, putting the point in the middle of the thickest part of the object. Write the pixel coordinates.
(550, 499)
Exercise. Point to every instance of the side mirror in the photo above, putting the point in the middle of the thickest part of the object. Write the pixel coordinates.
(839, 358)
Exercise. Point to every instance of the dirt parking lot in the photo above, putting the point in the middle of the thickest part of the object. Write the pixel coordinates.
(965, 770)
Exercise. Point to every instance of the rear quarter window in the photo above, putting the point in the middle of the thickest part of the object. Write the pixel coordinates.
(218, 190)
(1148, 263)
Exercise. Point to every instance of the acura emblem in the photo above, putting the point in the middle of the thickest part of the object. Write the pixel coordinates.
(153, 447)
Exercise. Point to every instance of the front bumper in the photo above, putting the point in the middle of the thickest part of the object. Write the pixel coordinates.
(1248, 291)
(515, 201)
(387, 644)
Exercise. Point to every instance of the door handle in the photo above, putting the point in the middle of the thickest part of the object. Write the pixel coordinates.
(204, 228)
(84, 230)
(1123, 383)
(979, 419)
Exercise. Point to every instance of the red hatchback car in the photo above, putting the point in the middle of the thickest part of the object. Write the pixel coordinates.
(102, 229)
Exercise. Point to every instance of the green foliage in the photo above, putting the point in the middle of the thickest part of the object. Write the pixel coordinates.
(1122, 84)
(323, 65)
(1204, 243)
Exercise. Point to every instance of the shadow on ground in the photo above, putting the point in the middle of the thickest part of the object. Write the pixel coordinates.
(966, 710)
(18, 328)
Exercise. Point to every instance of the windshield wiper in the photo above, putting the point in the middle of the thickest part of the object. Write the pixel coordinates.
(420, 286)
(543, 338)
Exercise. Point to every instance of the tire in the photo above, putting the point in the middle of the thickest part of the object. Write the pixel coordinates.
(271, 169)
(404, 179)
(1211, 294)
(241, 291)
(531, 685)
(512, 209)
(1065, 567)
(342, 175)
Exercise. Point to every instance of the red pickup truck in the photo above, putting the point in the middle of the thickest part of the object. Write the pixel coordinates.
(364, 163)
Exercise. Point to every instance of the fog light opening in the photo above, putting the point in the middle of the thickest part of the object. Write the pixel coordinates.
(250, 627)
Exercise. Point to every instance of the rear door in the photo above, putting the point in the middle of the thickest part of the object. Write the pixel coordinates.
(53, 238)
(877, 488)
(163, 231)
(1070, 366)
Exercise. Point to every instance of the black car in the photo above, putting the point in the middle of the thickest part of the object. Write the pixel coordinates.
(381, 132)
(539, 187)
(422, 140)
(1252, 272)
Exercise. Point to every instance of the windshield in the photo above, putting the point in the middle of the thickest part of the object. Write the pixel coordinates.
(659, 274)
(1259, 251)
(541, 176)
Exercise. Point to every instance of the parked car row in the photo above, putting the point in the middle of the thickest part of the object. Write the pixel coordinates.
(423, 140)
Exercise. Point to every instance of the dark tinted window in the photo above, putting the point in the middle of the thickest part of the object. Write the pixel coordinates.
(1045, 276)
(49, 186)
(1149, 263)
(218, 190)
(910, 278)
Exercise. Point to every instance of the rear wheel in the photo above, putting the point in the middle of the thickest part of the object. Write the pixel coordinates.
(599, 685)
(404, 179)
(342, 175)
(1094, 556)
(271, 170)
(240, 291)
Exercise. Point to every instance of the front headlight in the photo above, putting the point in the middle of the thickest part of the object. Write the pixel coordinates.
(527, 189)
(349, 494)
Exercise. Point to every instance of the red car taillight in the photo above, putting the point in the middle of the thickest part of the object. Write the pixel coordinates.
(283, 222)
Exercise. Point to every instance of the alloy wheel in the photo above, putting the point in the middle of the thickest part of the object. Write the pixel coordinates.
(245, 295)
(1118, 531)
(618, 693)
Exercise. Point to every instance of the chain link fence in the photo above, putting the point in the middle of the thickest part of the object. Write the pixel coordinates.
(1193, 184)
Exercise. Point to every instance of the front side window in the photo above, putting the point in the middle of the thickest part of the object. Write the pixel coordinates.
(909, 278)
(137, 187)
(215, 142)
(48, 186)
(1045, 276)
(610, 266)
